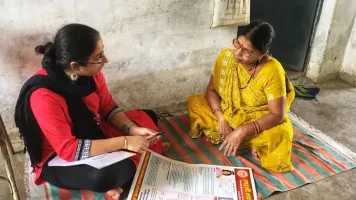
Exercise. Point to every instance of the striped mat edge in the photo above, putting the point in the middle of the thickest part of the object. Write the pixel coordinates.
(330, 159)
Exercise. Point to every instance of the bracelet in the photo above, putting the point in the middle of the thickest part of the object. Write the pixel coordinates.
(243, 130)
(257, 127)
(216, 110)
(125, 142)
(254, 126)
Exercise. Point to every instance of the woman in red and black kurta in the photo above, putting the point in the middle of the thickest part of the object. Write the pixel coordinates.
(65, 109)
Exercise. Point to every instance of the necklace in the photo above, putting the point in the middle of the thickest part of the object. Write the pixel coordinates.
(254, 71)
(252, 75)
(249, 80)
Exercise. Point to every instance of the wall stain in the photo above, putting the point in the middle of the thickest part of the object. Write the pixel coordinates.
(159, 62)
(181, 80)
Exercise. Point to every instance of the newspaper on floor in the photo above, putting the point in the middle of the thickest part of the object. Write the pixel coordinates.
(158, 177)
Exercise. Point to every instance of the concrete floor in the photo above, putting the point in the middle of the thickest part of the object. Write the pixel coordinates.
(333, 113)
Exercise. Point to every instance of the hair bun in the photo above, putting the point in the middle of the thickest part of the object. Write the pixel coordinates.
(40, 49)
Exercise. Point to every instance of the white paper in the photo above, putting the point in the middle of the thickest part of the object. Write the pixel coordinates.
(158, 177)
(98, 162)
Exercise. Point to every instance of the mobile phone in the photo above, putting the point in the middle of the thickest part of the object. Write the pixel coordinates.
(158, 134)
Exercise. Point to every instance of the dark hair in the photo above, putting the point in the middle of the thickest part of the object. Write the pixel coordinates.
(260, 34)
(73, 42)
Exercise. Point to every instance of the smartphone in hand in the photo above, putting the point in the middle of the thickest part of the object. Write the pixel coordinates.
(158, 134)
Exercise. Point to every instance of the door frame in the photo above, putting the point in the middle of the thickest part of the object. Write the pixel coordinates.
(313, 33)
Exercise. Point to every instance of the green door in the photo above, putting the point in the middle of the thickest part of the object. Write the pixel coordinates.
(293, 21)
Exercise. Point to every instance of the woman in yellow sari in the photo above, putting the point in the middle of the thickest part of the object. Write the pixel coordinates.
(246, 101)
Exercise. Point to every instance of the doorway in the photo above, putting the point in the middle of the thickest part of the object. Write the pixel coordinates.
(293, 21)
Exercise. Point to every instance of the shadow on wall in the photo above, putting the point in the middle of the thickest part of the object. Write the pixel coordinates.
(18, 62)
(19, 54)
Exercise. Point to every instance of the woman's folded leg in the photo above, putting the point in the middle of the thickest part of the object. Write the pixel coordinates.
(85, 177)
(273, 147)
(202, 119)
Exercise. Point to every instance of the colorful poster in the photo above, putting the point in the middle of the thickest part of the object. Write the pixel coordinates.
(161, 178)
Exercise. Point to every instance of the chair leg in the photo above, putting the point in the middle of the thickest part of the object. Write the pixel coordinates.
(9, 171)
(6, 136)
(5, 155)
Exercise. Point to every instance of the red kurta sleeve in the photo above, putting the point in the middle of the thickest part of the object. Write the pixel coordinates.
(106, 104)
(51, 113)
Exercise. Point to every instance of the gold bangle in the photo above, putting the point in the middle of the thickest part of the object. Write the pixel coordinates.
(243, 130)
(254, 126)
(258, 127)
(125, 141)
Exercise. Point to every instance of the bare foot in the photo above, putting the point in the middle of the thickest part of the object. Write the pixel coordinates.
(115, 193)
(165, 146)
(254, 154)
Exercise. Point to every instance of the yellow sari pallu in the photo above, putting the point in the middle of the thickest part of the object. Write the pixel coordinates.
(241, 106)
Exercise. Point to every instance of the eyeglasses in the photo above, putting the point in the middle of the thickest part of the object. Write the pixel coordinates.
(237, 45)
(100, 57)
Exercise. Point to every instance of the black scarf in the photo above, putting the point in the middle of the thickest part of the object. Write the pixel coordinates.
(84, 124)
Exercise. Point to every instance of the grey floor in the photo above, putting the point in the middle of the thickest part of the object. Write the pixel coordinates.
(333, 113)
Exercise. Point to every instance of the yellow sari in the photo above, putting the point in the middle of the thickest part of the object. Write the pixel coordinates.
(241, 106)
